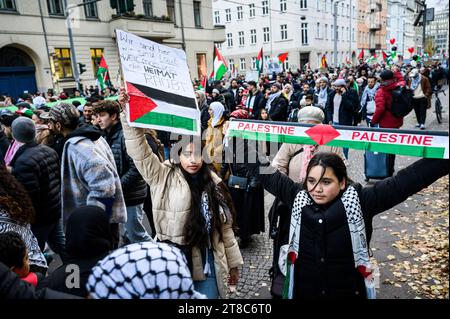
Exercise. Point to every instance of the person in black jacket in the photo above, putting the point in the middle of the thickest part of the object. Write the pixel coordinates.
(255, 100)
(341, 105)
(204, 108)
(328, 246)
(88, 240)
(277, 104)
(133, 185)
(37, 168)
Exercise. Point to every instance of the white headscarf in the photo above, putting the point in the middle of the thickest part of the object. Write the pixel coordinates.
(218, 109)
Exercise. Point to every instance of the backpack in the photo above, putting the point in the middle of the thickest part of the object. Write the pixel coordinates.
(401, 102)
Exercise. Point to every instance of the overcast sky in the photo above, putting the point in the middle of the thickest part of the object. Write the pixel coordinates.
(437, 4)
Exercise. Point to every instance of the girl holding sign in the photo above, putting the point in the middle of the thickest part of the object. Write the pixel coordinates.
(191, 209)
(331, 223)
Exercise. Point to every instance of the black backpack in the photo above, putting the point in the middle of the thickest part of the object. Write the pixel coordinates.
(401, 102)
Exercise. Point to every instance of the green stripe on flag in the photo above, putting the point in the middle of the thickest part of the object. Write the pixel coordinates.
(407, 150)
(169, 120)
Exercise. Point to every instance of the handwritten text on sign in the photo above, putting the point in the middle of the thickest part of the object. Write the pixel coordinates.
(151, 64)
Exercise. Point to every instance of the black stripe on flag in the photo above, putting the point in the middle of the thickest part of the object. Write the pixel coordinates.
(166, 96)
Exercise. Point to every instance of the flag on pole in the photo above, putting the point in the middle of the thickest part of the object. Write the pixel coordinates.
(372, 59)
(361, 54)
(384, 55)
(323, 62)
(102, 74)
(259, 62)
(220, 66)
(282, 57)
(203, 83)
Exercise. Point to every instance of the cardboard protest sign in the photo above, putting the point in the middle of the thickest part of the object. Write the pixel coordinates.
(393, 141)
(159, 86)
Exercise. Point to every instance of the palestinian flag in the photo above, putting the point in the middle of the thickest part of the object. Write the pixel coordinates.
(103, 74)
(220, 66)
(384, 55)
(372, 59)
(361, 54)
(259, 61)
(323, 62)
(282, 57)
(203, 83)
(161, 109)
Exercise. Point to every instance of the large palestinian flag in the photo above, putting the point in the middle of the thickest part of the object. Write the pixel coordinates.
(158, 83)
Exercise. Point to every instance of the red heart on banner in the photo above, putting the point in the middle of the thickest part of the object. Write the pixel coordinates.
(392, 41)
(322, 133)
(411, 50)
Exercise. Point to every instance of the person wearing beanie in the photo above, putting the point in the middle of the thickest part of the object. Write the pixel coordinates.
(36, 167)
(216, 96)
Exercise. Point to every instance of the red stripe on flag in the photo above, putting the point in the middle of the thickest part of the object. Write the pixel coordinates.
(139, 103)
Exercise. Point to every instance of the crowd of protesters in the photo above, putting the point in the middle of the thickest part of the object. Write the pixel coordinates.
(77, 180)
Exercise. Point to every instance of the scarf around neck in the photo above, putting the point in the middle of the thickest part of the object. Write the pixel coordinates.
(415, 82)
(270, 100)
(355, 219)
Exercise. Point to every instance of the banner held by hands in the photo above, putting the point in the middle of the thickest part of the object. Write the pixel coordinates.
(392, 141)
(159, 86)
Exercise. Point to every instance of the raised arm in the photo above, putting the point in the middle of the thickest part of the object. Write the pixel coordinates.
(389, 192)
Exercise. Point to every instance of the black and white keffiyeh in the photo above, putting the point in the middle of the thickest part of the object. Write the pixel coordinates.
(146, 270)
(355, 219)
(35, 254)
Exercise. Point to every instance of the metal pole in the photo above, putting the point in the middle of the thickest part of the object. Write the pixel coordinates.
(183, 44)
(45, 38)
(335, 32)
(72, 47)
(270, 27)
(350, 32)
(424, 24)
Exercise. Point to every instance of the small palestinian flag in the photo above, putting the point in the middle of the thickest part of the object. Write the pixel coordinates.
(361, 54)
(282, 57)
(220, 66)
(103, 74)
(259, 61)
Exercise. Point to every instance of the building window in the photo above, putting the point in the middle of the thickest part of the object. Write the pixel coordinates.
(197, 17)
(90, 10)
(242, 65)
(319, 59)
(229, 40)
(7, 5)
(254, 63)
(286, 64)
(252, 11)
(303, 4)
(265, 7)
(201, 65)
(170, 4)
(64, 63)
(230, 64)
(283, 29)
(343, 34)
(332, 32)
(348, 10)
(253, 36)
(348, 34)
(283, 5)
(342, 9)
(219, 46)
(326, 31)
(216, 17)
(55, 7)
(96, 56)
(241, 37)
(227, 15)
(266, 34)
(324, 3)
(148, 8)
(240, 14)
(318, 30)
(304, 32)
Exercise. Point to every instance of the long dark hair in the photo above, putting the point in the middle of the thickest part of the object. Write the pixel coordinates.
(14, 198)
(195, 230)
(328, 160)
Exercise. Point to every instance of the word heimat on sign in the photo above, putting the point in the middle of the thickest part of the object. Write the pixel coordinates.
(159, 86)
(392, 141)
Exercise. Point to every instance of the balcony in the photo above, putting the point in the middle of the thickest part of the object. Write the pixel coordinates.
(149, 27)
(375, 6)
(218, 33)
(375, 22)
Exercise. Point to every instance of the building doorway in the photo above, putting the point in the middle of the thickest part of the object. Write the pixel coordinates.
(17, 72)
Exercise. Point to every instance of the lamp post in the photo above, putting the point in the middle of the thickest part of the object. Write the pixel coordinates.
(69, 31)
